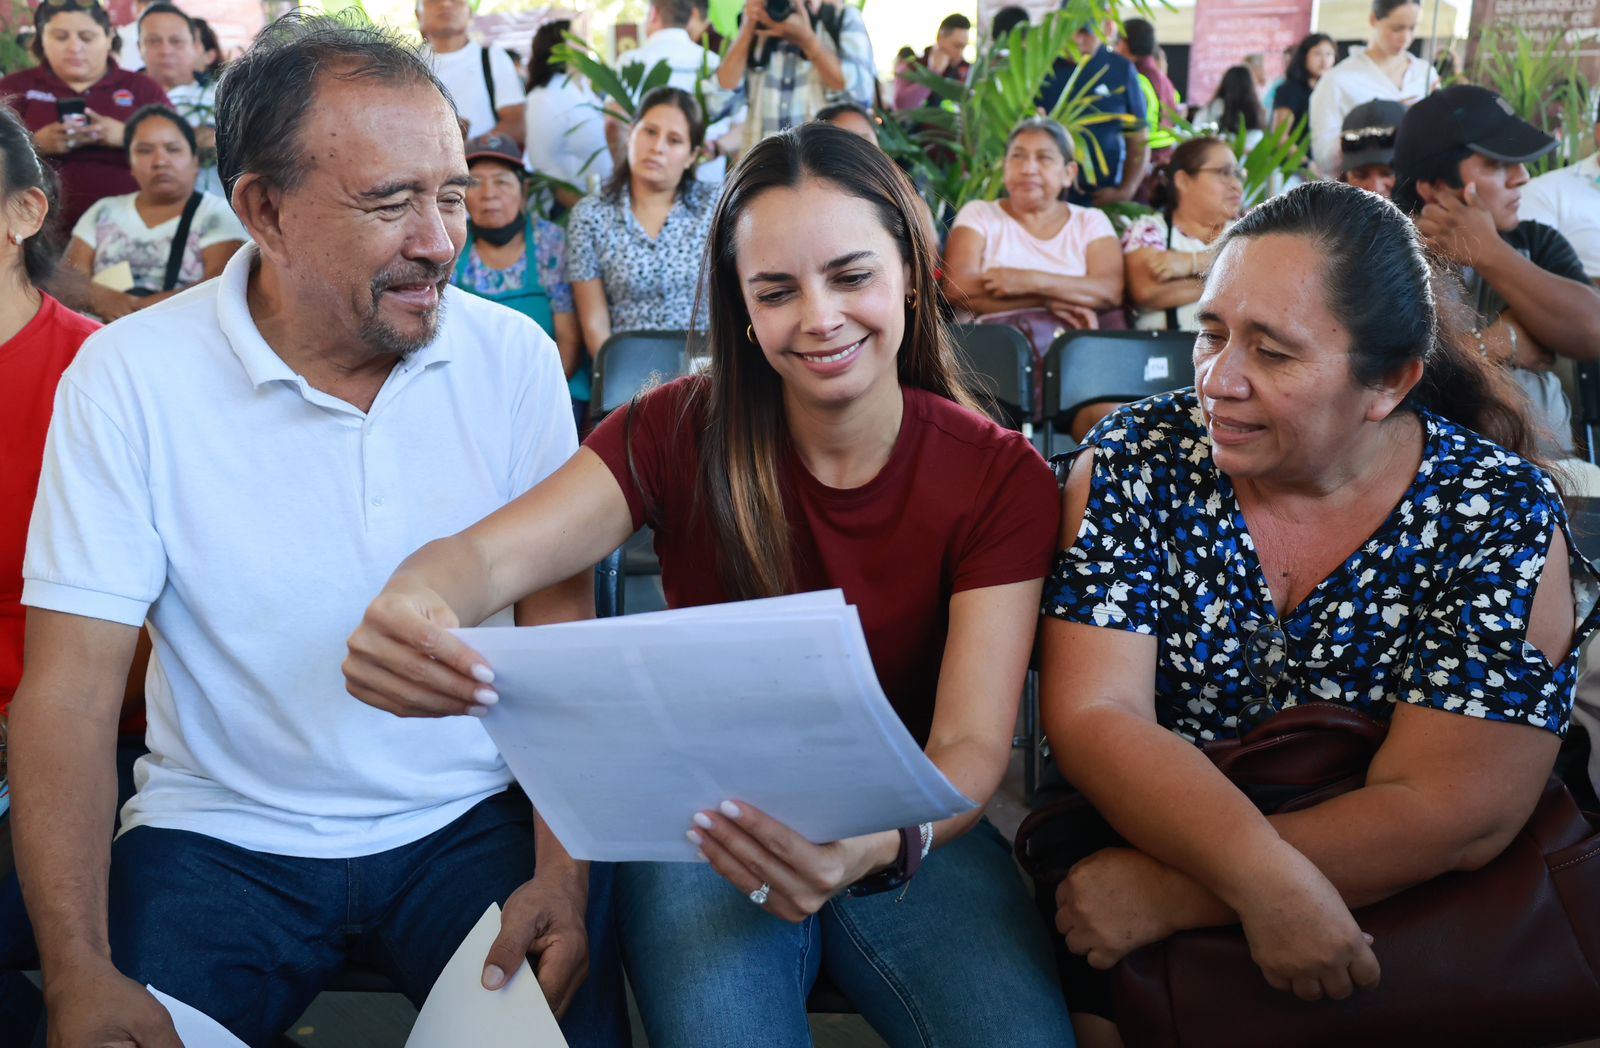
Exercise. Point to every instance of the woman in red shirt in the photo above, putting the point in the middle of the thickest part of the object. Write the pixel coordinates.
(38, 339)
(77, 101)
(829, 444)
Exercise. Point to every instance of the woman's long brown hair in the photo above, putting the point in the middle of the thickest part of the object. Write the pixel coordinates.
(745, 435)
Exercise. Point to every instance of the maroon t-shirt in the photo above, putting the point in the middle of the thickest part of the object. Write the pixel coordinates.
(961, 504)
(89, 172)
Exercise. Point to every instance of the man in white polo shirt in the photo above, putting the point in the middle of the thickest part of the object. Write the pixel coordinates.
(244, 465)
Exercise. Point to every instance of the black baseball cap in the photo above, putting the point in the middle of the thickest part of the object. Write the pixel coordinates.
(1471, 117)
(1368, 135)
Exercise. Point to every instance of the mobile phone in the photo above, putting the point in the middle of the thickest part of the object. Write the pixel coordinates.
(72, 111)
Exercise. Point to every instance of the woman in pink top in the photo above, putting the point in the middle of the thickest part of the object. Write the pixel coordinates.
(1033, 251)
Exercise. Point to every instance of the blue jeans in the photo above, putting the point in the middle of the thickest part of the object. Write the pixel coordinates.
(250, 937)
(960, 960)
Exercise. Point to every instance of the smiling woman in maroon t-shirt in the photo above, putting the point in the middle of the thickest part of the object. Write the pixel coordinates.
(77, 101)
(829, 444)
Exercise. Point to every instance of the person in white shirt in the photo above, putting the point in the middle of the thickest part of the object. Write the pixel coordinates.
(171, 45)
(673, 27)
(566, 133)
(129, 56)
(1568, 201)
(483, 81)
(1384, 69)
(243, 466)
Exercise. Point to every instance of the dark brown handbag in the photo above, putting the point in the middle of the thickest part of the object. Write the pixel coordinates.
(1504, 955)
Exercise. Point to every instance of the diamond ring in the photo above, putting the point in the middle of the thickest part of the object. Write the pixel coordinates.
(759, 896)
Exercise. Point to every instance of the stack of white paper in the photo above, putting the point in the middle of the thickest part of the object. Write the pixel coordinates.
(621, 729)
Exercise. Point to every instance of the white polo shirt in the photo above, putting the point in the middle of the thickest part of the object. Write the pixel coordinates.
(1568, 201)
(192, 477)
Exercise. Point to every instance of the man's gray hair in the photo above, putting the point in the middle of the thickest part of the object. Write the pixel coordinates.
(265, 94)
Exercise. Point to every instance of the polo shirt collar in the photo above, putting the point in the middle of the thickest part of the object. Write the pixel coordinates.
(260, 361)
(672, 34)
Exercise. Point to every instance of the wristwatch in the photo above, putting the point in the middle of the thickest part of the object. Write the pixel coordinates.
(915, 842)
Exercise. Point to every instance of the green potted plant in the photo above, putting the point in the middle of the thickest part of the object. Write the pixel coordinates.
(1544, 84)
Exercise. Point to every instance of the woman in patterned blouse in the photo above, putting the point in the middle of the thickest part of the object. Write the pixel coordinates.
(1323, 517)
(633, 252)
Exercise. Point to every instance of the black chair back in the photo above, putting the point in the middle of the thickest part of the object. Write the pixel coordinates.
(632, 361)
(1001, 360)
(1083, 367)
(1587, 422)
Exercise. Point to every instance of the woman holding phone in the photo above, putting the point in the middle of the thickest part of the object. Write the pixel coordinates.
(77, 102)
(830, 443)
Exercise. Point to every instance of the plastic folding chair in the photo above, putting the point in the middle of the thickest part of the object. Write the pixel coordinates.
(1082, 368)
(1001, 359)
(1587, 422)
(629, 363)
(1085, 367)
(632, 361)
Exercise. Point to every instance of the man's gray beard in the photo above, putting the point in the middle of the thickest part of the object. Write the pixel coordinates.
(382, 337)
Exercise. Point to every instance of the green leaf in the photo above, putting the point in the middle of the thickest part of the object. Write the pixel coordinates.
(658, 76)
(575, 54)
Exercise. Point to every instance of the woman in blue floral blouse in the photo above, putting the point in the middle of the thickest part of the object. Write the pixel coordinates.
(1338, 511)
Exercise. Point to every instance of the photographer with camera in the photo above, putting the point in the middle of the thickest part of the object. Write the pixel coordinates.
(792, 57)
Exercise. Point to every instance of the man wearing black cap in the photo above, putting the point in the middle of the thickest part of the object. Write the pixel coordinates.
(1458, 160)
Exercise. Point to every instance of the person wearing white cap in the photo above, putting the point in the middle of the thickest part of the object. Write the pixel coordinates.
(1459, 160)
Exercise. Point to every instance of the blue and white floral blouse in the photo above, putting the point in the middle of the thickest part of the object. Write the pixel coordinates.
(1433, 609)
(650, 282)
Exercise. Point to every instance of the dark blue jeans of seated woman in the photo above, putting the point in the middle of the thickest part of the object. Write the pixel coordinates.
(250, 938)
(960, 960)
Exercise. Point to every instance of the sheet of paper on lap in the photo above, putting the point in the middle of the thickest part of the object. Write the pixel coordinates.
(195, 1028)
(460, 1012)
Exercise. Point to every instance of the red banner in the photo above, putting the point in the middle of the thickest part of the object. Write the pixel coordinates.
(1227, 30)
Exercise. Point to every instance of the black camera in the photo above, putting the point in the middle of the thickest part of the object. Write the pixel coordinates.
(780, 10)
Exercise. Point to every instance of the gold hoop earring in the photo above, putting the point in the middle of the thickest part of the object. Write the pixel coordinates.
(750, 333)
(911, 299)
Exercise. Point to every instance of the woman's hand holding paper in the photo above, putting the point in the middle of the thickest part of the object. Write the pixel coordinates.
(403, 658)
(750, 850)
